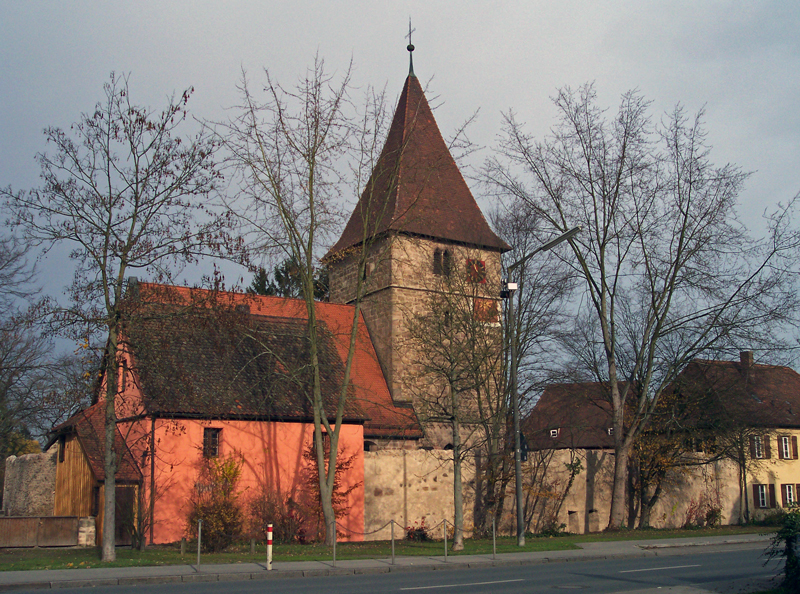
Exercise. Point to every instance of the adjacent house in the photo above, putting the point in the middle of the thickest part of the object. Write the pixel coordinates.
(740, 422)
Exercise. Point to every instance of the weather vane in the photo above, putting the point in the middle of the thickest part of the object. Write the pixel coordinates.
(410, 49)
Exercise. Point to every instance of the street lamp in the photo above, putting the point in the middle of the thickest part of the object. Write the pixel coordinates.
(508, 293)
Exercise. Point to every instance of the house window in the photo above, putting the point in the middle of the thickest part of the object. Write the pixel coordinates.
(789, 493)
(211, 438)
(486, 310)
(476, 271)
(762, 496)
(785, 447)
(441, 262)
(757, 446)
(553, 433)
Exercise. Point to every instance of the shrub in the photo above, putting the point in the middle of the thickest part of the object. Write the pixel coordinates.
(553, 529)
(418, 532)
(341, 493)
(216, 502)
(703, 512)
(285, 515)
(222, 523)
(786, 544)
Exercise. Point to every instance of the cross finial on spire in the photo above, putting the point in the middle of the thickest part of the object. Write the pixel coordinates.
(410, 49)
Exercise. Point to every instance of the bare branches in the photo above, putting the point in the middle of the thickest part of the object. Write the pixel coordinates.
(667, 268)
(296, 152)
(125, 193)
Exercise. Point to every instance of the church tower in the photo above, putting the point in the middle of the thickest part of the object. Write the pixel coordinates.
(420, 224)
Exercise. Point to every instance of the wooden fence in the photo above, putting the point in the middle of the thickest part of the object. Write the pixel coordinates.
(52, 531)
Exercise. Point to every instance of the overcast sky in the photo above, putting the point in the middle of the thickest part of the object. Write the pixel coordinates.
(741, 60)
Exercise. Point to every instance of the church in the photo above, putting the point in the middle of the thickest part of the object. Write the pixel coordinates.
(231, 384)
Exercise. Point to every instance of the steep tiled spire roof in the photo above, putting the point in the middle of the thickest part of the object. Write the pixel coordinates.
(416, 187)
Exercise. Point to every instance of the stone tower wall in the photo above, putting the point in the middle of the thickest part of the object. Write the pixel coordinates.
(399, 283)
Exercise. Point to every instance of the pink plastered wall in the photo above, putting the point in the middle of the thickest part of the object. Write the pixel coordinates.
(272, 458)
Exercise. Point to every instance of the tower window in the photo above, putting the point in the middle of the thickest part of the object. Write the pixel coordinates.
(486, 310)
(476, 271)
(441, 262)
(369, 268)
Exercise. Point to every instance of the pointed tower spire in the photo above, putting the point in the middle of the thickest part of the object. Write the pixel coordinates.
(416, 187)
(410, 48)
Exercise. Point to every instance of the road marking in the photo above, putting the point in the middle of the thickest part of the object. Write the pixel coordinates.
(659, 568)
(462, 585)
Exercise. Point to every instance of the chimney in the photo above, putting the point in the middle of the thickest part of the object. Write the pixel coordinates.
(132, 289)
(746, 359)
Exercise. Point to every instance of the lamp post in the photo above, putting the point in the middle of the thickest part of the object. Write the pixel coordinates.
(508, 293)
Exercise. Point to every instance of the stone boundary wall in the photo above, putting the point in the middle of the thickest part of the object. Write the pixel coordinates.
(29, 486)
(409, 486)
(687, 492)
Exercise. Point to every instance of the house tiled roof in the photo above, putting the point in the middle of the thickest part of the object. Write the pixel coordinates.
(278, 326)
(416, 186)
(718, 393)
(748, 393)
(212, 363)
(579, 412)
(89, 426)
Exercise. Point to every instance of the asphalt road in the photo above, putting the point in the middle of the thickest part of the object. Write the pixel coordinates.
(732, 571)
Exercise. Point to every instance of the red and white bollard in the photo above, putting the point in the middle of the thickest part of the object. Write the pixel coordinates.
(269, 547)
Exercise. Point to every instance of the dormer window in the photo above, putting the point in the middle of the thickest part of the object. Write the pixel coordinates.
(610, 431)
(441, 262)
(554, 433)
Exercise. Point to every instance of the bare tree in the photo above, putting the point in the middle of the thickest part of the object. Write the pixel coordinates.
(668, 271)
(127, 194)
(455, 346)
(37, 390)
(297, 152)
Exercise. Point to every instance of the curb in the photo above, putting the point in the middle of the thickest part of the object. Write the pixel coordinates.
(644, 551)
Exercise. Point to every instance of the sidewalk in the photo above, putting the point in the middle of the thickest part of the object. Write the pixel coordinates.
(112, 576)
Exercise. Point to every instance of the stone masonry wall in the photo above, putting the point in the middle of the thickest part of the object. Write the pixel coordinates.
(409, 486)
(399, 281)
(29, 487)
(586, 507)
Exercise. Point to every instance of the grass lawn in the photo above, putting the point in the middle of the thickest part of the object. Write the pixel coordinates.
(74, 558)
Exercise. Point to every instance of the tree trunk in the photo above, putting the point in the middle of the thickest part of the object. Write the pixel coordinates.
(617, 515)
(633, 477)
(744, 512)
(458, 496)
(109, 541)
